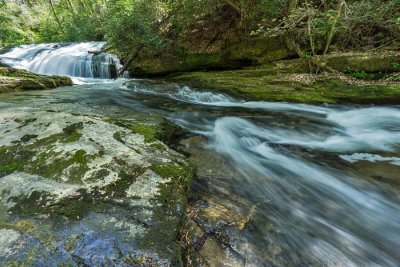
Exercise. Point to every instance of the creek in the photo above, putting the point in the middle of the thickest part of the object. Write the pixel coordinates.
(276, 184)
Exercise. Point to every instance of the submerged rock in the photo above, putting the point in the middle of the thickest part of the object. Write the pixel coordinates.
(20, 80)
(89, 190)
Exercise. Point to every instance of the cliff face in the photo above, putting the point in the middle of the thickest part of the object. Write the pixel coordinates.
(251, 52)
(257, 52)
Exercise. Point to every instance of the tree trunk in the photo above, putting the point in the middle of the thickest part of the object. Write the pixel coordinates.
(134, 54)
(55, 14)
(288, 40)
(333, 28)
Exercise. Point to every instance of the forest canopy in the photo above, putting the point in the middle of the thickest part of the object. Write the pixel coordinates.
(314, 26)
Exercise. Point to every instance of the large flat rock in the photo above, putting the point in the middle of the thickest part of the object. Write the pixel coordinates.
(84, 190)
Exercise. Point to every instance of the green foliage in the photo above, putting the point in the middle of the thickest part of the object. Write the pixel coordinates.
(73, 20)
(135, 24)
(17, 23)
(362, 75)
(393, 77)
(343, 24)
(155, 27)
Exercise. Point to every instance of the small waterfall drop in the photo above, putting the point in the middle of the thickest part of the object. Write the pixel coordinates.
(74, 59)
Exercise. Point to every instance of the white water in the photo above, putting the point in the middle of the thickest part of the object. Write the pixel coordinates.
(305, 192)
(374, 128)
(76, 59)
(326, 213)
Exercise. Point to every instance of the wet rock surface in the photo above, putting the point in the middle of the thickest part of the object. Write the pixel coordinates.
(229, 226)
(219, 224)
(81, 188)
(20, 80)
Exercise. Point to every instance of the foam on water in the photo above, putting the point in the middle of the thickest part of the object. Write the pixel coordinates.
(358, 129)
(352, 223)
(304, 193)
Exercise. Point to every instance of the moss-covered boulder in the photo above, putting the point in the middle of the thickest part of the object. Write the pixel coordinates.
(12, 79)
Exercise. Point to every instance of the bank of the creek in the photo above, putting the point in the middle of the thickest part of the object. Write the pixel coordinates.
(86, 178)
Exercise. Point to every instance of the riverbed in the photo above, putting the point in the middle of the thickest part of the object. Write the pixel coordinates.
(276, 184)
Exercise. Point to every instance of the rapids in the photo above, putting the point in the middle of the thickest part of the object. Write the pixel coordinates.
(293, 161)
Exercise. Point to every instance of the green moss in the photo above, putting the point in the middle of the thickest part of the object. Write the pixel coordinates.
(368, 62)
(126, 178)
(72, 128)
(248, 52)
(48, 164)
(20, 80)
(28, 137)
(269, 88)
(98, 175)
(180, 171)
(71, 133)
(117, 136)
(67, 208)
(41, 159)
(21, 225)
(158, 146)
(36, 203)
(11, 72)
(13, 158)
(10, 167)
(47, 141)
(258, 51)
(161, 129)
(362, 75)
(148, 131)
(169, 212)
(72, 138)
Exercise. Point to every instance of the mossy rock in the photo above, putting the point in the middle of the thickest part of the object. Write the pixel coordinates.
(101, 182)
(368, 62)
(258, 84)
(148, 67)
(12, 79)
(241, 54)
(171, 201)
(258, 51)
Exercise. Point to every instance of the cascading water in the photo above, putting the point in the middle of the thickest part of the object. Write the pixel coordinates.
(294, 162)
(76, 59)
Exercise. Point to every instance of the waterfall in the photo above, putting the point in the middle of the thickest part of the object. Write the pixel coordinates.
(72, 59)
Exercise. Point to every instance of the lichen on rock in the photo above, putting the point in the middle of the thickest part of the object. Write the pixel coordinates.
(86, 183)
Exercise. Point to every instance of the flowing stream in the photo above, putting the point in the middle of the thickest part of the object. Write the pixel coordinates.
(321, 182)
(310, 170)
